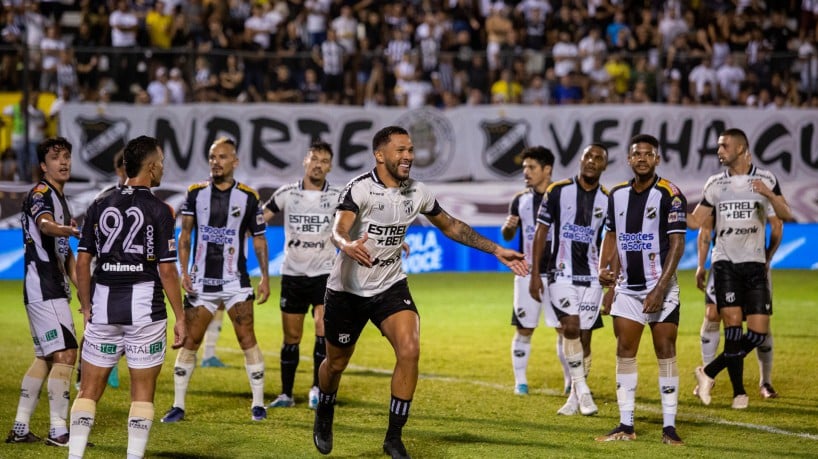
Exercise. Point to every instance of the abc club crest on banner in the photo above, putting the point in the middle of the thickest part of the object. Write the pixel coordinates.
(433, 138)
(505, 141)
(102, 138)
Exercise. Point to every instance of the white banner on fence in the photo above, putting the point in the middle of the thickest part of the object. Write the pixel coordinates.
(469, 143)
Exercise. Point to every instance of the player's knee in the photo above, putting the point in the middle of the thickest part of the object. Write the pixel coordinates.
(408, 351)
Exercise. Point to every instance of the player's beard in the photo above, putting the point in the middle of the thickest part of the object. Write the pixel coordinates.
(394, 170)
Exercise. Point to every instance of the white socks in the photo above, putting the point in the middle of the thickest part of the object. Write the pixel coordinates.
(669, 389)
(182, 371)
(82, 419)
(140, 421)
(254, 364)
(520, 351)
(59, 384)
(626, 379)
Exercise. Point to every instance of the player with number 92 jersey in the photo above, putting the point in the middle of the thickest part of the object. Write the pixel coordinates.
(134, 234)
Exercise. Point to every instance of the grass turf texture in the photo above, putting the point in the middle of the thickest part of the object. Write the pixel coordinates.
(464, 406)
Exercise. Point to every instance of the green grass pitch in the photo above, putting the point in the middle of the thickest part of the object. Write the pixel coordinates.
(464, 406)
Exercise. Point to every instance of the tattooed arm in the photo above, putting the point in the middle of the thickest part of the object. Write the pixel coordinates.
(466, 235)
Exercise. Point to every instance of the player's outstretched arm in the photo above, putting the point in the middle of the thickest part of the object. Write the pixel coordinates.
(461, 232)
(700, 213)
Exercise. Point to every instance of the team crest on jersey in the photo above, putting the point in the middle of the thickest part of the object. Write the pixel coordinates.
(101, 139)
(235, 211)
(343, 338)
(433, 138)
(505, 141)
(598, 212)
(650, 213)
(730, 297)
(408, 206)
(172, 245)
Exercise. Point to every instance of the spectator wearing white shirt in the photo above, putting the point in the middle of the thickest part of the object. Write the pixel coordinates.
(158, 88)
(50, 47)
(346, 29)
(258, 27)
(316, 23)
(729, 77)
(589, 47)
(124, 25)
(703, 80)
(177, 87)
(565, 54)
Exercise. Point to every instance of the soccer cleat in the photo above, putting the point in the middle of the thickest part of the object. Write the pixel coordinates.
(741, 402)
(213, 362)
(322, 429)
(521, 389)
(113, 377)
(620, 433)
(285, 401)
(586, 405)
(27, 438)
(670, 437)
(61, 441)
(175, 414)
(313, 398)
(766, 390)
(395, 449)
(705, 384)
(259, 413)
(570, 408)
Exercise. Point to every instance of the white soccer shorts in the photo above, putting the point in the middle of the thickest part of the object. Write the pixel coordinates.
(576, 300)
(527, 309)
(47, 320)
(630, 306)
(144, 345)
(212, 300)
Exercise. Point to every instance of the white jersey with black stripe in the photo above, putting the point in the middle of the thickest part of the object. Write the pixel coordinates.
(308, 214)
(383, 214)
(740, 215)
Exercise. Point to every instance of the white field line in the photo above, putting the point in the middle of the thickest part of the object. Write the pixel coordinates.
(641, 407)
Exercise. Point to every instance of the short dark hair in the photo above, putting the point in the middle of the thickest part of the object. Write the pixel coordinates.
(644, 138)
(320, 145)
(737, 134)
(539, 153)
(600, 146)
(382, 137)
(57, 143)
(136, 152)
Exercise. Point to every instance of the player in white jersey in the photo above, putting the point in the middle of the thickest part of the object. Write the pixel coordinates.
(537, 165)
(575, 208)
(131, 233)
(308, 206)
(644, 241)
(222, 211)
(736, 204)
(367, 281)
(49, 265)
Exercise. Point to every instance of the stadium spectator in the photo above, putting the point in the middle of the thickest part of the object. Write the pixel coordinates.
(124, 26)
(565, 53)
(27, 157)
(537, 92)
(177, 87)
(346, 29)
(506, 90)
(158, 88)
(729, 77)
(231, 81)
(50, 48)
(703, 82)
(331, 57)
(310, 88)
(283, 88)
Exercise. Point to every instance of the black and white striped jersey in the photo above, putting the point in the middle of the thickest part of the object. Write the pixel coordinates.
(130, 232)
(740, 215)
(383, 214)
(642, 223)
(525, 205)
(45, 274)
(222, 220)
(576, 217)
(308, 250)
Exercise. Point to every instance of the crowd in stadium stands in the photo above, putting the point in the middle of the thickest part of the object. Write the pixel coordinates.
(417, 52)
